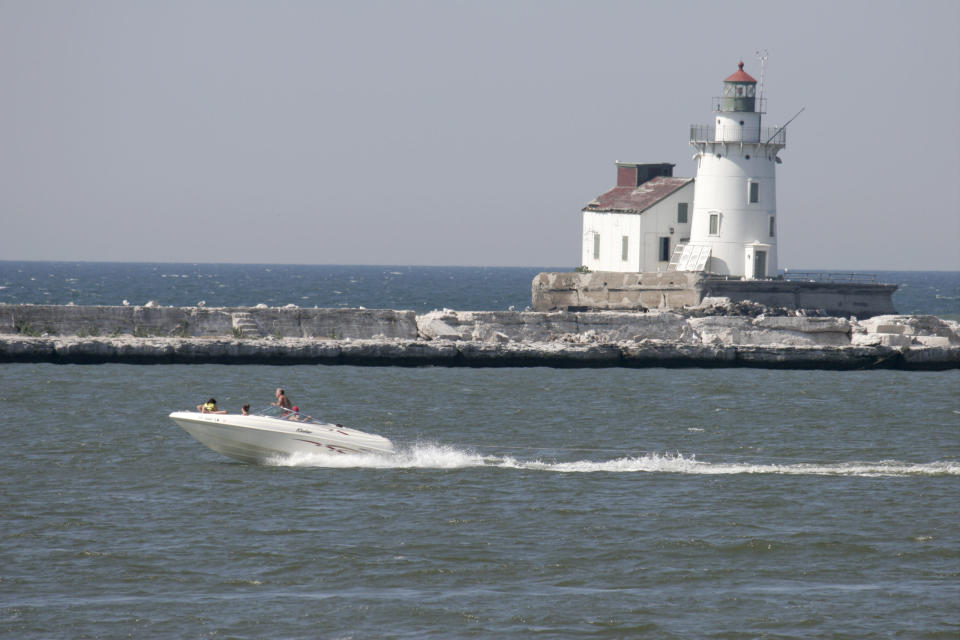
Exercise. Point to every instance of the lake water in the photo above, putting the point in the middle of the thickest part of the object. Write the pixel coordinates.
(526, 502)
(420, 289)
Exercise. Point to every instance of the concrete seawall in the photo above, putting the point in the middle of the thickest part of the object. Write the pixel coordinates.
(289, 335)
(625, 291)
(292, 351)
(198, 322)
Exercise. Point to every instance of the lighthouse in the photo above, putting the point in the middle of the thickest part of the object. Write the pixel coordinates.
(643, 249)
(733, 227)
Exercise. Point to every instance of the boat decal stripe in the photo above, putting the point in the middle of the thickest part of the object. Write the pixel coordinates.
(320, 444)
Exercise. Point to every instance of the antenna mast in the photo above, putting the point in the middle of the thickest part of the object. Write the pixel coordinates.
(762, 55)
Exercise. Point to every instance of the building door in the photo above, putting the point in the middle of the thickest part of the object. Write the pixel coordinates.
(664, 249)
(759, 264)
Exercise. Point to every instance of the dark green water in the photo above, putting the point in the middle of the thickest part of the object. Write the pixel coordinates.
(523, 503)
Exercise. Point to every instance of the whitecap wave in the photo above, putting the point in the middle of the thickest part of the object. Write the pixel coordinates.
(435, 456)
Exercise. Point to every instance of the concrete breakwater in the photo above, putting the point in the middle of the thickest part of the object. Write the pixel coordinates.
(706, 336)
(624, 291)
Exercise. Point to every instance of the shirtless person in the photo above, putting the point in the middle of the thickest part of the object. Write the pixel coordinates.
(282, 401)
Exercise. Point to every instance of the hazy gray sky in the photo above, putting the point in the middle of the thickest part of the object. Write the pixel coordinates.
(457, 133)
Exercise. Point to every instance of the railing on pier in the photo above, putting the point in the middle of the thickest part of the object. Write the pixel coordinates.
(830, 276)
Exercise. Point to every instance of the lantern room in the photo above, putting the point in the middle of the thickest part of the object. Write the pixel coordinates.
(739, 92)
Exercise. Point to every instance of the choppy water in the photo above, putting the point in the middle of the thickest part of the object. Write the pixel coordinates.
(325, 286)
(607, 503)
(522, 502)
(420, 289)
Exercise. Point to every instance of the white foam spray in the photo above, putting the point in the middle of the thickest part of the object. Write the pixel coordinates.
(436, 456)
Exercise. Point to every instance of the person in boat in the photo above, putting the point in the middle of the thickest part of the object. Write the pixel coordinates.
(282, 401)
(210, 406)
(245, 410)
(294, 414)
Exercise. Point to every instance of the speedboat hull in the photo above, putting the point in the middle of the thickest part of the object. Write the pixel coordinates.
(256, 439)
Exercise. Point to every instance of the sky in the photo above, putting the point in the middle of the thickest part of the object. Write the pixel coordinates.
(445, 132)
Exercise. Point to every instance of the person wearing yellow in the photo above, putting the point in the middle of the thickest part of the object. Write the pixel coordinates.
(210, 406)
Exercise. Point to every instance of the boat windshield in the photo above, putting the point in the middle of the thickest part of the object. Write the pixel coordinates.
(286, 414)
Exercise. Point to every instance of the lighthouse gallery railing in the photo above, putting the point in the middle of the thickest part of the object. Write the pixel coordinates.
(708, 133)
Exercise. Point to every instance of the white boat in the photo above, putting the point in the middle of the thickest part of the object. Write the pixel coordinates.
(258, 437)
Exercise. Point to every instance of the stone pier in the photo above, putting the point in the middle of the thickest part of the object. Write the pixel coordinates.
(617, 291)
(704, 336)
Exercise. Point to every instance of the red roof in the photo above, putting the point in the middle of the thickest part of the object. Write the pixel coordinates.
(740, 76)
(637, 199)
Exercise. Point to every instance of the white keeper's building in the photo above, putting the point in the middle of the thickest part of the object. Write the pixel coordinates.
(636, 225)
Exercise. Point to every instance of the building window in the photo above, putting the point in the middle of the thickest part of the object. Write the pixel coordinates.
(664, 249)
(624, 248)
(596, 246)
(754, 191)
(772, 226)
(714, 224)
(681, 213)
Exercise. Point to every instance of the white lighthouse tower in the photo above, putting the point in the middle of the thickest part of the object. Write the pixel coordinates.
(733, 230)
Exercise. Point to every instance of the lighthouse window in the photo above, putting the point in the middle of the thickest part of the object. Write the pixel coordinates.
(772, 226)
(754, 192)
(714, 224)
(596, 246)
(625, 248)
(682, 212)
(741, 123)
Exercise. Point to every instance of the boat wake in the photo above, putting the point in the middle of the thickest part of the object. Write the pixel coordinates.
(434, 456)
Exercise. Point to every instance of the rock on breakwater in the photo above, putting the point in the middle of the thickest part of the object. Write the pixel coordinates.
(288, 335)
